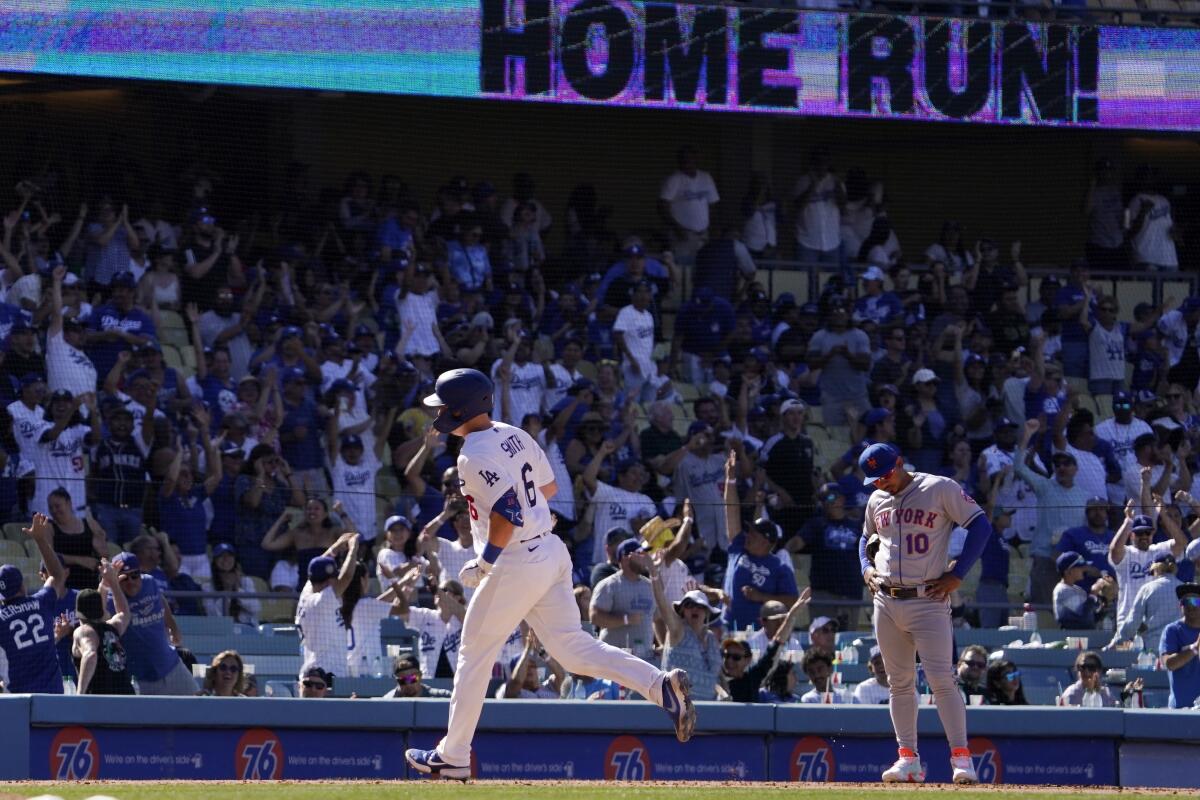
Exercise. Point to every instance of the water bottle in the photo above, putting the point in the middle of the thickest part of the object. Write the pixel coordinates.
(1139, 645)
(1029, 621)
(1035, 638)
(377, 667)
(352, 668)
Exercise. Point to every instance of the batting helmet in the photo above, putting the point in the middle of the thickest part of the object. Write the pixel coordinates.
(461, 394)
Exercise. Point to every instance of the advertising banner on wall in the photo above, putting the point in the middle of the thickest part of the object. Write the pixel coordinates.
(641, 54)
(997, 759)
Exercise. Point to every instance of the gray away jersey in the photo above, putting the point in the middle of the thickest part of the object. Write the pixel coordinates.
(914, 528)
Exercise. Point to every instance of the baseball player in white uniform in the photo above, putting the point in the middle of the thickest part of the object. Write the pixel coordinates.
(910, 518)
(522, 572)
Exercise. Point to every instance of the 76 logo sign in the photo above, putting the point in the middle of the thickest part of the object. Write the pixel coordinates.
(258, 756)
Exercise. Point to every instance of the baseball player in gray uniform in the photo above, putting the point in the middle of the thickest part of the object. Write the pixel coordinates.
(522, 571)
(909, 518)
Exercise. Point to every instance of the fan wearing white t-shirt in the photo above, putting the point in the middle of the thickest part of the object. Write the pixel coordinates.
(1131, 554)
(621, 506)
(323, 636)
(633, 335)
(819, 195)
(67, 366)
(446, 556)
(58, 459)
(1152, 231)
(439, 628)
(352, 470)
(526, 382)
(364, 648)
(683, 203)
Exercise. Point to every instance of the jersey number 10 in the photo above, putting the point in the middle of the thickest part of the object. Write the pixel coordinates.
(916, 543)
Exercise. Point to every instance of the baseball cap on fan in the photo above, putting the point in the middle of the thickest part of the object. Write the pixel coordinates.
(11, 581)
(878, 460)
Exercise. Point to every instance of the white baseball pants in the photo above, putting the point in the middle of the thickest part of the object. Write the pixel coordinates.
(531, 581)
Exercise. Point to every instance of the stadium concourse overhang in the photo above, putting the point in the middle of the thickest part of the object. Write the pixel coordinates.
(77, 738)
(295, 141)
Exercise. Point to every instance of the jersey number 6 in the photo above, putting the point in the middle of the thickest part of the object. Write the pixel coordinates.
(530, 489)
(916, 543)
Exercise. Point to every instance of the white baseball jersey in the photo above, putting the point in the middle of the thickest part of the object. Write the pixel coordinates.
(914, 528)
(1132, 573)
(364, 648)
(525, 392)
(616, 507)
(435, 636)
(59, 463)
(27, 427)
(322, 633)
(501, 468)
(451, 558)
(68, 367)
(1121, 437)
(354, 485)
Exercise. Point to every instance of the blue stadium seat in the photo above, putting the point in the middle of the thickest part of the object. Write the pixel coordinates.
(1053, 677)
(363, 687)
(245, 645)
(1041, 695)
(204, 626)
(990, 638)
(393, 631)
(288, 666)
(853, 673)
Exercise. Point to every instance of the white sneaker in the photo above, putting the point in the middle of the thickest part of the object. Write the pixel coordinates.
(907, 769)
(963, 768)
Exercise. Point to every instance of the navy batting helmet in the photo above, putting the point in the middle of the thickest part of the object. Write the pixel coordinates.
(461, 394)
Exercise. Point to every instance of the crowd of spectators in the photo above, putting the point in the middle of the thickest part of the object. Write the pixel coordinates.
(231, 407)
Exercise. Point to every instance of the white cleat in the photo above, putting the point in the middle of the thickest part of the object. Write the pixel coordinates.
(907, 769)
(964, 770)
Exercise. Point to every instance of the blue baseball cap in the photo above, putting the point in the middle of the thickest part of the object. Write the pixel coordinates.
(322, 568)
(289, 332)
(293, 374)
(876, 416)
(1142, 523)
(1067, 560)
(1122, 399)
(223, 548)
(352, 440)
(126, 562)
(31, 379)
(878, 460)
(123, 280)
(628, 548)
(342, 385)
(397, 519)
(699, 426)
(11, 581)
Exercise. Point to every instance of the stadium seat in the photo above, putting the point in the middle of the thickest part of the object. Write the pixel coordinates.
(1104, 407)
(246, 645)
(275, 688)
(10, 551)
(392, 631)
(171, 356)
(201, 626)
(363, 686)
(387, 485)
(990, 638)
(1088, 402)
(275, 665)
(188, 354)
(1040, 695)
(281, 610)
(15, 531)
(687, 391)
(176, 337)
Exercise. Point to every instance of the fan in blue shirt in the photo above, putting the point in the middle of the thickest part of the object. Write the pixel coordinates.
(1180, 648)
(27, 620)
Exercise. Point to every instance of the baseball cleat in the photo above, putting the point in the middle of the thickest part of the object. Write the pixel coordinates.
(429, 762)
(677, 702)
(907, 769)
(960, 763)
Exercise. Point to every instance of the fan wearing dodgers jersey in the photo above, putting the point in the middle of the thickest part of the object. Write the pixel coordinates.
(911, 517)
(522, 572)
